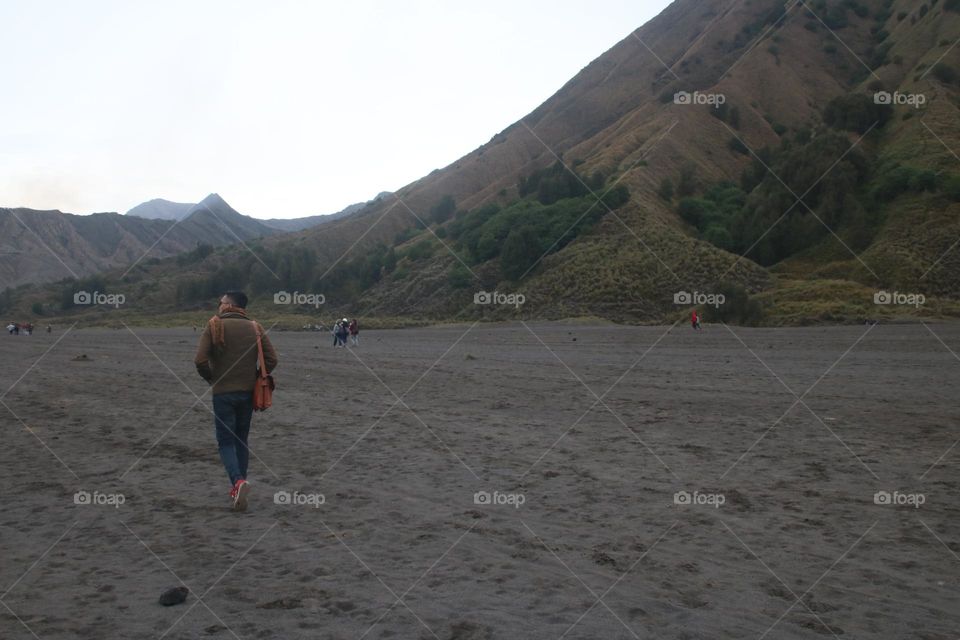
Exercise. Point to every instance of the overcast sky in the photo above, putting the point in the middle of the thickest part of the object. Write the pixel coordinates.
(284, 108)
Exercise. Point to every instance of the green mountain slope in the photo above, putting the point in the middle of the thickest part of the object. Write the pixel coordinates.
(734, 148)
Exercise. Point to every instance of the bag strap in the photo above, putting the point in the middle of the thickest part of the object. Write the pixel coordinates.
(263, 365)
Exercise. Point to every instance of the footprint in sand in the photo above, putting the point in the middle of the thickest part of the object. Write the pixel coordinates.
(282, 603)
(470, 631)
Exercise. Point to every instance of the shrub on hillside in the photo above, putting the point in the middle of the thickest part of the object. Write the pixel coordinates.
(404, 235)
(616, 197)
(726, 113)
(521, 250)
(688, 180)
(951, 188)
(945, 73)
(90, 284)
(715, 214)
(719, 236)
(390, 260)
(192, 290)
(419, 251)
(198, 254)
(666, 189)
(739, 308)
(460, 277)
(6, 300)
(836, 17)
(694, 211)
(901, 179)
(553, 183)
(856, 112)
(736, 144)
(483, 233)
(442, 211)
(770, 224)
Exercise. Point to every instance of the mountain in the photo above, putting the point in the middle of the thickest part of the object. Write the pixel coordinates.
(44, 246)
(299, 224)
(777, 163)
(160, 209)
(800, 85)
(209, 219)
(296, 224)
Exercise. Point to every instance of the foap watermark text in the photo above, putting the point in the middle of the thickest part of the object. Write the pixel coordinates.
(499, 498)
(298, 298)
(699, 498)
(899, 298)
(699, 298)
(96, 498)
(497, 297)
(298, 499)
(915, 100)
(712, 99)
(108, 299)
(898, 499)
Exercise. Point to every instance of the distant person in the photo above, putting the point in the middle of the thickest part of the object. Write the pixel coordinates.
(227, 359)
(11, 328)
(49, 329)
(354, 328)
(695, 320)
(337, 335)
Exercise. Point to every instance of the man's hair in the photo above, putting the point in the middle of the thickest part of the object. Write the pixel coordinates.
(237, 298)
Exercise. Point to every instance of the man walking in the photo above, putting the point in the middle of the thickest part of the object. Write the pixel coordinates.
(227, 359)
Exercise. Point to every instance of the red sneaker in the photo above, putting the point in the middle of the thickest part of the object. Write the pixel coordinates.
(239, 493)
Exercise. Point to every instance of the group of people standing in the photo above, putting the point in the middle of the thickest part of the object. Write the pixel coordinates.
(25, 328)
(344, 328)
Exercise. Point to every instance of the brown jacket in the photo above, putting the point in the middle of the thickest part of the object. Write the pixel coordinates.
(233, 367)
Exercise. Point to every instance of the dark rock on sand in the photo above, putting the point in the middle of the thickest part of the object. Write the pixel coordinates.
(174, 596)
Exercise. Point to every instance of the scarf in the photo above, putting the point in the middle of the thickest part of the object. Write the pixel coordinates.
(216, 325)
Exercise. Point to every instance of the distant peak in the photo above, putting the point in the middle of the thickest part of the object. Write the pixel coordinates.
(161, 209)
(213, 198)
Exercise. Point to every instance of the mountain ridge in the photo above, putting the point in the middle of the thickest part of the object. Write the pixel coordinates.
(54, 245)
(701, 198)
(160, 209)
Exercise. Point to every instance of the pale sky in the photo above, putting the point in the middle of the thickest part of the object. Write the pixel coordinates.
(284, 108)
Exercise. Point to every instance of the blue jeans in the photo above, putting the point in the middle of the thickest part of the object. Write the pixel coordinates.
(233, 413)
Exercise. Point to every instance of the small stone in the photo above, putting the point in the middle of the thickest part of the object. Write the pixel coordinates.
(174, 596)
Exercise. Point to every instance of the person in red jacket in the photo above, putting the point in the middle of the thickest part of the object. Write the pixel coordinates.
(695, 320)
(354, 329)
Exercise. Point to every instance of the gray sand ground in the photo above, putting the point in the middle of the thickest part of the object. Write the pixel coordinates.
(595, 427)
